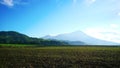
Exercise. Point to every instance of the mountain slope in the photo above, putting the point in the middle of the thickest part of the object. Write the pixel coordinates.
(80, 36)
(12, 37)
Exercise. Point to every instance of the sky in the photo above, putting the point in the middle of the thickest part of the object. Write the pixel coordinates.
(37, 18)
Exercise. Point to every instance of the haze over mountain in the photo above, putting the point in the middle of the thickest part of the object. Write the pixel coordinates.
(82, 37)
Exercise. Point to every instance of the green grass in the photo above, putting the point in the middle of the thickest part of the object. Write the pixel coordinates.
(15, 45)
(59, 57)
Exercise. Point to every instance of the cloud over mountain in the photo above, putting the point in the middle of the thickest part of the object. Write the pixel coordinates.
(110, 34)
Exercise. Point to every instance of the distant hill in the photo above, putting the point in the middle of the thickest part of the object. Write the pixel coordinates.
(63, 38)
(12, 37)
(80, 36)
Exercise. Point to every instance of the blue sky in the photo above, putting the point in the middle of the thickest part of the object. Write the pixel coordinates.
(38, 18)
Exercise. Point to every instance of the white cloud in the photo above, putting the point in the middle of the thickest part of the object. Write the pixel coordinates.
(89, 2)
(9, 3)
(104, 34)
(114, 25)
(119, 14)
(74, 1)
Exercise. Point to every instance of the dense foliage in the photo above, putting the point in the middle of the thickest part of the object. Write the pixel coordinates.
(60, 57)
(12, 37)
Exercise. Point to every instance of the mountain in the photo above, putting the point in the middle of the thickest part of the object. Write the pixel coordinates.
(80, 36)
(76, 43)
(12, 37)
(66, 38)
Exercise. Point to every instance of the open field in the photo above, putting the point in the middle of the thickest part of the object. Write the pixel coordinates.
(60, 57)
